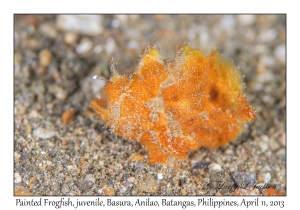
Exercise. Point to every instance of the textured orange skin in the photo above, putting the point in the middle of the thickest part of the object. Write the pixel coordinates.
(175, 107)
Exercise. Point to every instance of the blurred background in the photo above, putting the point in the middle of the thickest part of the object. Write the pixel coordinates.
(55, 57)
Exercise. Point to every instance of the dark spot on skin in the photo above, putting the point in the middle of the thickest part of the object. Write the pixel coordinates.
(214, 93)
(192, 119)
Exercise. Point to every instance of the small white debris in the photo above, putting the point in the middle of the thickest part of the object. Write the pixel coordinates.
(17, 155)
(34, 114)
(91, 25)
(263, 146)
(228, 22)
(18, 178)
(131, 179)
(123, 189)
(115, 23)
(265, 138)
(48, 30)
(267, 177)
(263, 143)
(84, 46)
(122, 18)
(43, 133)
(70, 167)
(132, 45)
(59, 92)
(280, 53)
(90, 178)
(110, 45)
(100, 192)
(98, 49)
(246, 20)
(214, 167)
(160, 176)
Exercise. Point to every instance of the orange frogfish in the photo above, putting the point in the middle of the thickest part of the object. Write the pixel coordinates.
(178, 106)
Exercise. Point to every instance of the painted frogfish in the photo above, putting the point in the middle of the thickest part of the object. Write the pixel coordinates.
(173, 107)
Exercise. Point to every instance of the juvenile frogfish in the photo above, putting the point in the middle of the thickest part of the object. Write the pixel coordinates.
(176, 107)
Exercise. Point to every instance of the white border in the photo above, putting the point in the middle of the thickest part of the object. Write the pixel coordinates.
(154, 6)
